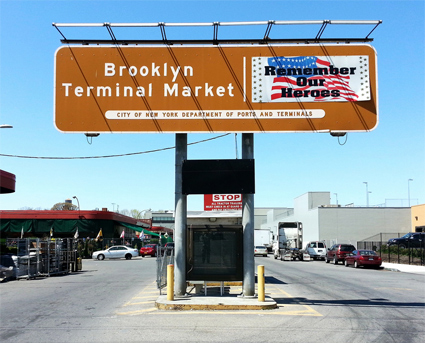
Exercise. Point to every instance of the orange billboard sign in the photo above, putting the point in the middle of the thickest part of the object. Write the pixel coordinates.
(185, 89)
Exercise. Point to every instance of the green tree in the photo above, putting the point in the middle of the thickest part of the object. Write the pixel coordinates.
(135, 214)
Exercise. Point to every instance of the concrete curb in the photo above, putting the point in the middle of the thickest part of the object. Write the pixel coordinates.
(391, 269)
(214, 303)
(404, 268)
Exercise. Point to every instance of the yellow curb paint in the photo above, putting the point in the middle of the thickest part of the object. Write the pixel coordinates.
(140, 303)
(136, 312)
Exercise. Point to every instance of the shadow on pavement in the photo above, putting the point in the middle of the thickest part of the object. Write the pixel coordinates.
(349, 302)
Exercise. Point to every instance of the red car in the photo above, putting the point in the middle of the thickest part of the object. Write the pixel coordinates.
(363, 258)
(148, 249)
(338, 252)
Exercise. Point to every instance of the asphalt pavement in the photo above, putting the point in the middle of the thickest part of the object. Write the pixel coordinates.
(232, 299)
(114, 301)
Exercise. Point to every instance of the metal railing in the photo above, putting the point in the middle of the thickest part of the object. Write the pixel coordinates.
(316, 37)
(164, 257)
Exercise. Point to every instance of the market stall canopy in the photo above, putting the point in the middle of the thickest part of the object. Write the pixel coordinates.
(138, 229)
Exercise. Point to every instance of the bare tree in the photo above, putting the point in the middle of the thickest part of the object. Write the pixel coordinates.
(27, 208)
(125, 213)
(136, 214)
(64, 206)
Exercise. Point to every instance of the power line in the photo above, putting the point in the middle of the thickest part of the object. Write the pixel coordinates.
(109, 156)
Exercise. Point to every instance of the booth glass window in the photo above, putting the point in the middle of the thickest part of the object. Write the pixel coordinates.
(215, 253)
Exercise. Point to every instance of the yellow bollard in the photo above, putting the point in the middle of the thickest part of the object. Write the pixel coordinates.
(170, 282)
(261, 282)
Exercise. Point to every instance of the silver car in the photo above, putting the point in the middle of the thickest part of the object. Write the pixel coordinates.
(117, 251)
(260, 250)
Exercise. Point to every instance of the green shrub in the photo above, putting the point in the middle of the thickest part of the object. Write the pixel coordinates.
(396, 251)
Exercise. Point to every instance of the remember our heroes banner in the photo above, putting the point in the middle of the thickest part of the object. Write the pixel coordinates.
(310, 79)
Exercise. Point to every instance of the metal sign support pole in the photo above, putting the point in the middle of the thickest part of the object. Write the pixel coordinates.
(248, 225)
(180, 218)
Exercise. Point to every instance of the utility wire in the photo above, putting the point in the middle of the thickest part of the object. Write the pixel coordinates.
(109, 156)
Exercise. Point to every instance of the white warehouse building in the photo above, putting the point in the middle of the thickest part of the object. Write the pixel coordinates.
(334, 224)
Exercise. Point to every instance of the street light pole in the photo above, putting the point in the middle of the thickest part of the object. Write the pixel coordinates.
(139, 214)
(408, 190)
(78, 202)
(367, 195)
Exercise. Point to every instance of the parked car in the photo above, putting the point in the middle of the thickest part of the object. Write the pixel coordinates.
(316, 250)
(337, 252)
(363, 258)
(411, 239)
(7, 268)
(148, 249)
(117, 251)
(260, 250)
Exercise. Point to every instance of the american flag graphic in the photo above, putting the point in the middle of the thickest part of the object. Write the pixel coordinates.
(331, 82)
(341, 87)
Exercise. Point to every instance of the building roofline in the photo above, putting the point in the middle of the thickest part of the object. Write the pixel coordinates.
(361, 207)
(73, 215)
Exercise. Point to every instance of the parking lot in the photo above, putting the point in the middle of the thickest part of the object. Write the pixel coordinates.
(114, 300)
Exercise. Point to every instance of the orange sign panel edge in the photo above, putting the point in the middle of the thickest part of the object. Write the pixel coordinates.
(197, 89)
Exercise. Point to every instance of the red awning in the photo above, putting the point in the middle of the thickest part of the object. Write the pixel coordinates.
(161, 229)
(7, 182)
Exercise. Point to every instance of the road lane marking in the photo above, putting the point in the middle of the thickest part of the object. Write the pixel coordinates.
(397, 289)
(309, 311)
(136, 312)
(272, 291)
(139, 303)
(148, 292)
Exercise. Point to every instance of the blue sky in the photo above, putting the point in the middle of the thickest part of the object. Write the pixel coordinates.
(287, 164)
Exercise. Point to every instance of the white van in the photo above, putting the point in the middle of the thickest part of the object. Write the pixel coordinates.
(316, 249)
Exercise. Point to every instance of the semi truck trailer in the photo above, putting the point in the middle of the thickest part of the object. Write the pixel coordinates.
(288, 243)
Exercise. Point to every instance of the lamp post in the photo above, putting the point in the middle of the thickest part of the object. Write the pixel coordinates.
(139, 216)
(78, 202)
(367, 194)
(408, 190)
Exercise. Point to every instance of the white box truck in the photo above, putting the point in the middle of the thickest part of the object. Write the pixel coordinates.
(263, 237)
